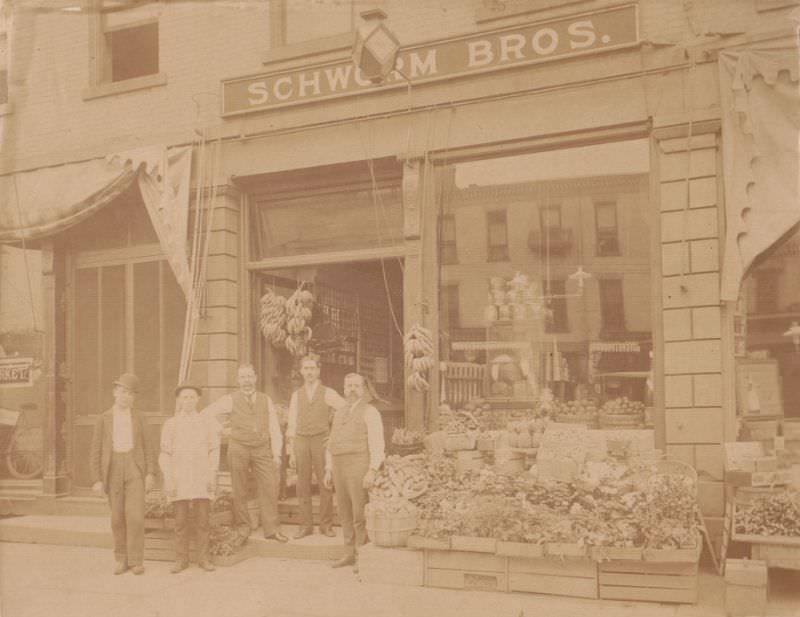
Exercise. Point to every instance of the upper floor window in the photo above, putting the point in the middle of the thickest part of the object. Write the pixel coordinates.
(448, 239)
(298, 22)
(497, 235)
(550, 218)
(606, 229)
(129, 42)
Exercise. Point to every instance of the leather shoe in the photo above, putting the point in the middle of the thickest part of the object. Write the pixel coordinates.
(302, 533)
(178, 566)
(347, 560)
(120, 568)
(137, 570)
(327, 531)
(278, 537)
(207, 566)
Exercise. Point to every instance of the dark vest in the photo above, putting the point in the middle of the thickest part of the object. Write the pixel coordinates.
(250, 422)
(313, 416)
(349, 431)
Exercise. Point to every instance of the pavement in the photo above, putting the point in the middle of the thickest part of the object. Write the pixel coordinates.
(41, 580)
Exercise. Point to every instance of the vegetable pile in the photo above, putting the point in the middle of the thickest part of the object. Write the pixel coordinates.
(405, 437)
(623, 407)
(777, 514)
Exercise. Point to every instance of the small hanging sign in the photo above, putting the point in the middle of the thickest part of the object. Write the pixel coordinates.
(16, 372)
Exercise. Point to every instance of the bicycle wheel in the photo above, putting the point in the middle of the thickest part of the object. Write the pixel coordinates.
(24, 456)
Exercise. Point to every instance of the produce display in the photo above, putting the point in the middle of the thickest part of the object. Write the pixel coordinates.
(405, 437)
(776, 514)
(607, 505)
(392, 506)
(576, 411)
(400, 476)
(223, 540)
(284, 321)
(526, 433)
(623, 407)
(418, 347)
(452, 421)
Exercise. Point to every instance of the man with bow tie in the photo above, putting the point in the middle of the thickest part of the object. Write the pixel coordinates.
(354, 454)
(255, 441)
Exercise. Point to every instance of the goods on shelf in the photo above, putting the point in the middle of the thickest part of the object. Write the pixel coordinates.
(621, 412)
(576, 412)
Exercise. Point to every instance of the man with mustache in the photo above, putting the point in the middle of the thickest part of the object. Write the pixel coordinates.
(354, 454)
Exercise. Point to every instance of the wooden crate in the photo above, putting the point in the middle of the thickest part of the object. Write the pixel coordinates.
(565, 549)
(777, 555)
(440, 544)
(618, 553)
(465, 560)
(648, 581)
(478, 545)
(568, 577)
(396, 566)
(745, 587)
(465, 570)
(520, 549)
(159, 545)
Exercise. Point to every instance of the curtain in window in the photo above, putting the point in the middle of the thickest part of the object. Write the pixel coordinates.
(760, 97)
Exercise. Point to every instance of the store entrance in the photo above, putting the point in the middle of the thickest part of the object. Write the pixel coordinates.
(354, 324)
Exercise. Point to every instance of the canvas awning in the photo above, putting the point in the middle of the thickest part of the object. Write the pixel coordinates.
(760, 97)
(46, 201)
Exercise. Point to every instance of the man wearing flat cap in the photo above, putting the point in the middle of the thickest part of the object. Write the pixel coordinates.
(189, 461)
(122, 466)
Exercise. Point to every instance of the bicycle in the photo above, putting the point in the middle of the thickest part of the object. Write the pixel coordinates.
(21, 444)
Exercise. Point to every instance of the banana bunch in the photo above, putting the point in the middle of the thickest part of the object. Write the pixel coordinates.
(273, 317)
(418, 345)
(298, 314)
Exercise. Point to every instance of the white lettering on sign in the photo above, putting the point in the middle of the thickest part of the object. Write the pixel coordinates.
(545, 41)
(259, 94)
(584, 32)
(590, 32)
(426, 67)
(304, 82)
(511, 44)
(480, 53)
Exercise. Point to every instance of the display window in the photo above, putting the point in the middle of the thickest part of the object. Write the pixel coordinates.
(553, 300)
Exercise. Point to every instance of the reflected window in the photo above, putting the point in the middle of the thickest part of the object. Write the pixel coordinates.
(497, 235)
(606, 229)
(449, 254)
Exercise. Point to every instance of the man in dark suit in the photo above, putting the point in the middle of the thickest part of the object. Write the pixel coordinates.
(122, 466)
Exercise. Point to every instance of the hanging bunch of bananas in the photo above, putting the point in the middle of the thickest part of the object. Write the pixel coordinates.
(298, 314)
(273, 318)
(418, 345)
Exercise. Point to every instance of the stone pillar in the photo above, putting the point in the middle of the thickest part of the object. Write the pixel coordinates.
(218, 349)
(696, 408)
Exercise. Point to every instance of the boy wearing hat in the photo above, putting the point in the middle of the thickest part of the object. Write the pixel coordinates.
(122, 466)
(189, 461)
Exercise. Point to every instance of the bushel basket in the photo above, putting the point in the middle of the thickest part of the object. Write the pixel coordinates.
(390, 529)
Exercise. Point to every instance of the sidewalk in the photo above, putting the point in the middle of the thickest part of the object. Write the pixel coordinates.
(39, 580)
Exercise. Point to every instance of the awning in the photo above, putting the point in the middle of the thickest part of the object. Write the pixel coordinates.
(760, 97)
(46, 201)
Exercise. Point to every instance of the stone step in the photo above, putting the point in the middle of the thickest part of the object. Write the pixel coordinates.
(95, 531)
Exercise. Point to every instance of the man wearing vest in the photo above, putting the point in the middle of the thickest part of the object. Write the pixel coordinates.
(123, 465)
(255, 443)
(355, 452)
(309, 421)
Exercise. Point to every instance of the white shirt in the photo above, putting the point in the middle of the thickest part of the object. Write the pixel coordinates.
(189, 456)
(332, 400)
(375, 441)
(122, 433)
(220, 410)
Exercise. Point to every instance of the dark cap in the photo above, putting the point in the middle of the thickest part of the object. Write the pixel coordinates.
(188, 386)
(129, 381)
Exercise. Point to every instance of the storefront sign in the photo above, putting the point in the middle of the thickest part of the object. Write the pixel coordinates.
(16, 372)
(615, 347)
(490, 51)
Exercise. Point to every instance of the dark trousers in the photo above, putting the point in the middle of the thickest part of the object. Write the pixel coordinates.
(126, 500)
(241, 459)
(348, 475)
(200, 508)
(309, 452)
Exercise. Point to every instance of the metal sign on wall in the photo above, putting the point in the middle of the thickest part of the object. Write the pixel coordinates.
(587, 33)
(16, 372)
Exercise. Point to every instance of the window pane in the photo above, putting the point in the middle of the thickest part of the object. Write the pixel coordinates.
(146, 334)
(606, 216)
(307, 21)
(134, 51)
(112, 329)
(326, 222)
(514, 337)
(174, 311)
(87, 352)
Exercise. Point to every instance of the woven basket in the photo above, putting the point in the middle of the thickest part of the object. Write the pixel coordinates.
(390, 529)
